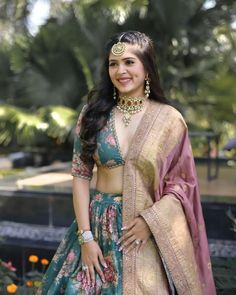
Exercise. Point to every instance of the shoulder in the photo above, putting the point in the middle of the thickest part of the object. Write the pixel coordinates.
(170, 115)
(170, 123)
(81, 114)
(173, 114)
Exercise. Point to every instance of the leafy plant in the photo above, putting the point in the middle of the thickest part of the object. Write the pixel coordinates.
(224, 270)
(27, 128)
(232, 218)
(7, 275)
(11, 284)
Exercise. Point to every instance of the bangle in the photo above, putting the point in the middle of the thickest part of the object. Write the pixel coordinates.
(81, 231)
(85, 237)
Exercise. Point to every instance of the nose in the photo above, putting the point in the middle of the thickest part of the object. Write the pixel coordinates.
(121, 69)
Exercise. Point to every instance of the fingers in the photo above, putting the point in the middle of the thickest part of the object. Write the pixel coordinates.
(129, 226)
(130, 247)
(125, 245)
(137, 229)
(92, 275)
(102, 260)
(124, 237)
(142, 245)
(94, 266)
(88, 276)
(100, 272)
(139, 246)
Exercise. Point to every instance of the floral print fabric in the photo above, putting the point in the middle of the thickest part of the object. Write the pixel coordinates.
(107, 154)
(108, 150)
(79, 168)
(64, 274)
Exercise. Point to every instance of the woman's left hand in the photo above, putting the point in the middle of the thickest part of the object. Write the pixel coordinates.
(136, 235)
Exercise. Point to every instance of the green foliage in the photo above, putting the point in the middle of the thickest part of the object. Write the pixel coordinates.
(7, 172)
(7, 274)
(60, 121)
(195, 52)
(11, 283)
(21, 125)
(36, 128)
(221, 92)
(233, 219)
(115, 11)
(224, 270)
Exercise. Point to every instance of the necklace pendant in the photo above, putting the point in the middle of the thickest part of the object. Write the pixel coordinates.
(126, 119)
(130, 106)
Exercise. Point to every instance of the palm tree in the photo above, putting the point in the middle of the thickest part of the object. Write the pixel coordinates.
(60, 64)
(47, 126)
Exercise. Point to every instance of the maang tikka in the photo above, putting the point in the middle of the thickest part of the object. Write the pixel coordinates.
(119, 47)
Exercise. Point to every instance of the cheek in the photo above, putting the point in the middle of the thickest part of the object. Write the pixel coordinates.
(111, 74)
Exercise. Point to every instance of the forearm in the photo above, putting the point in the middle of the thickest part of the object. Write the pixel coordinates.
(81, 201)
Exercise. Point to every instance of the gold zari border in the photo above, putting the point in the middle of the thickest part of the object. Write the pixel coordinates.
(150, 146)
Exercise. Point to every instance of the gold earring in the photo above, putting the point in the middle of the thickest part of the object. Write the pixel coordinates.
(147, 87)
(114, 93)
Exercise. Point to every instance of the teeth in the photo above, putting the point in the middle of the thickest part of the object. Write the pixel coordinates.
(123, 80)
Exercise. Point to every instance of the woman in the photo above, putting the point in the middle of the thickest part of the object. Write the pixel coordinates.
(141, 231)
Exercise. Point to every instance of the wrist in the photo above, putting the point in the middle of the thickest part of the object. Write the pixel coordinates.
(84, 236)
(81, 231)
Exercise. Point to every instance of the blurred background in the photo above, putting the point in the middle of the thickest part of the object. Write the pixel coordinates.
(50, 57)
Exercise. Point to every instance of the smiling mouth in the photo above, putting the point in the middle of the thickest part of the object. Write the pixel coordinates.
(124, 80)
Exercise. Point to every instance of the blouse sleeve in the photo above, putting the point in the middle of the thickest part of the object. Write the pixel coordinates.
(79, 168)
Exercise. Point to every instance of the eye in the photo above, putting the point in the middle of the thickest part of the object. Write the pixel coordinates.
(112, 64)
(129, 62)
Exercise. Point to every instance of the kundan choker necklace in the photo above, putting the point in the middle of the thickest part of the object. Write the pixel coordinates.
(130, 106)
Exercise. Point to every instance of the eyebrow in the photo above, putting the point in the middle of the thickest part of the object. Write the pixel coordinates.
(123, 58)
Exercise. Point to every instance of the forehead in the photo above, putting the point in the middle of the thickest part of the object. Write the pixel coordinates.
(130, 51)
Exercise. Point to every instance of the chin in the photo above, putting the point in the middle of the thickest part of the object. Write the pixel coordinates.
(127, 93)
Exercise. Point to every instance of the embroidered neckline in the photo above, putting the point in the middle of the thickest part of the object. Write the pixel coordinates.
(115, 135)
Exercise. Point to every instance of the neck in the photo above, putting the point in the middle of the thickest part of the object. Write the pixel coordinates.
(130, 105)
(129, 97)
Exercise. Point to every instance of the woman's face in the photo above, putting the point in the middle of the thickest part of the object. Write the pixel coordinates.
(127, 73)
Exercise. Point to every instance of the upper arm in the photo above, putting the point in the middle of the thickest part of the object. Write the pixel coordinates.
(79, 168)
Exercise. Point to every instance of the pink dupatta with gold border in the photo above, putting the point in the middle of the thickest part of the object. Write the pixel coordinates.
(160, 184)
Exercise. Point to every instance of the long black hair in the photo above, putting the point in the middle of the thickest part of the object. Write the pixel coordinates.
(100, 99)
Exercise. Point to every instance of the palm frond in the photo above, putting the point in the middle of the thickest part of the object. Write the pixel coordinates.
(60, 120)
(30, 129)
(19, 124)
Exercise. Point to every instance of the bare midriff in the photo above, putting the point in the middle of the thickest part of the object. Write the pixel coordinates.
(110, 180)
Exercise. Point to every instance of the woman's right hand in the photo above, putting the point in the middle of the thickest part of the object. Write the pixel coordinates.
(93, 258)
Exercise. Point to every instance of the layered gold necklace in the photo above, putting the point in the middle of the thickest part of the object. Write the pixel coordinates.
(130, 106)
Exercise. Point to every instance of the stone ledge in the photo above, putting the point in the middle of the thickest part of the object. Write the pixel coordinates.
(222, 248)
(41, 233)
(32, 232)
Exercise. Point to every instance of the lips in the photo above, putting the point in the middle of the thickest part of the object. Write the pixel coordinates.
(124, 81)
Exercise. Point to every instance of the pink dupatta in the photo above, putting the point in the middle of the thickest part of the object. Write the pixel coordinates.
(178, 177)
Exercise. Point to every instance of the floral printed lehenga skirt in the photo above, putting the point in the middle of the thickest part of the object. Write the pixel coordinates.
(64, 274)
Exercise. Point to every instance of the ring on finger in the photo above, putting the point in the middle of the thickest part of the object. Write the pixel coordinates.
(84, 267)
(137, 242)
